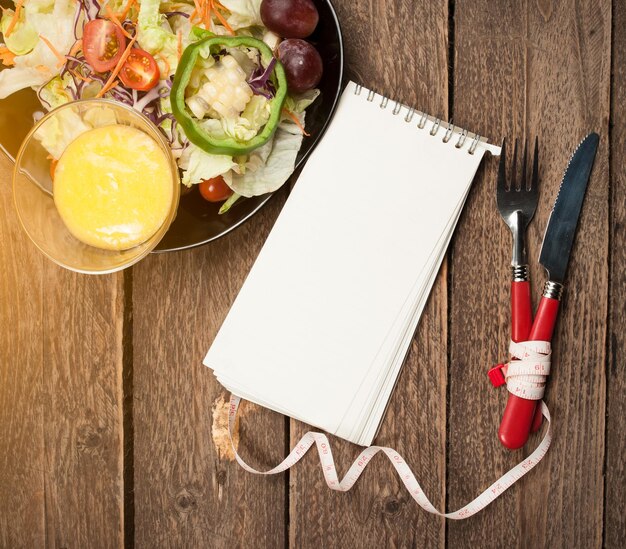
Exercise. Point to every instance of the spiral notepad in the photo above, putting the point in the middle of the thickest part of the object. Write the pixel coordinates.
(324, 320)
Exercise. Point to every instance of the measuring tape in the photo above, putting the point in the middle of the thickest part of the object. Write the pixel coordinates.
(534, 350)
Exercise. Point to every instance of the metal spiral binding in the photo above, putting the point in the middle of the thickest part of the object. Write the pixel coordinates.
(474, 144)
(435, 128)
(462, 139)
(424, 118)
(448, 133)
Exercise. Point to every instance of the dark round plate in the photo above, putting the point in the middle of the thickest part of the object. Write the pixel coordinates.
(197, 221)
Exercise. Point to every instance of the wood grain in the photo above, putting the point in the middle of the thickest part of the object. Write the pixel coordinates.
(68, 341)
(536, 68)
(60, 398)
(82, 423)
(378, 512)
(615, 469)
(22, 508)
(188, 491)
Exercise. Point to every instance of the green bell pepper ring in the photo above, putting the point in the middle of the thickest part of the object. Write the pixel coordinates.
(194, 132)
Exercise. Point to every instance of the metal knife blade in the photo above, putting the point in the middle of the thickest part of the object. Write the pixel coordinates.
(561, 229)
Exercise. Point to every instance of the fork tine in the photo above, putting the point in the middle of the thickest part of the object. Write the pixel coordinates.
(523, 183)
(513, 186)
(502, 169)
(534, 178)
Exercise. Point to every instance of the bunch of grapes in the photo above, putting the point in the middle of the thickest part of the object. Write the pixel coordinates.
(295, 20)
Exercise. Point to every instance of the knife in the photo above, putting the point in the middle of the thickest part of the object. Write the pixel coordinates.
(555, 252)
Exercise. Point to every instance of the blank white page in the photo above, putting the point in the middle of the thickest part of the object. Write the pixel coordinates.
(309, 333)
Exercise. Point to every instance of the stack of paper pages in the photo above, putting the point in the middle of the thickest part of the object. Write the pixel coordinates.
(323, 322)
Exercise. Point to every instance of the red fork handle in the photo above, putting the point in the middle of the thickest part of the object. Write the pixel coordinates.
(517, 419)
(521, 310)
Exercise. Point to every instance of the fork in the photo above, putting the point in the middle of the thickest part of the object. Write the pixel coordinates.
(517, 202)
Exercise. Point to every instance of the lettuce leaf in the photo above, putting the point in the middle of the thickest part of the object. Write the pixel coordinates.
(40, 65)
(243, 127)
(296, 103)
(59, 131)
(198, 165)
(24, 37)
(39, 6)
(55, 93)
(243, 13)
(272, 171)
(155, 35)
(229, 203)
(252, 119)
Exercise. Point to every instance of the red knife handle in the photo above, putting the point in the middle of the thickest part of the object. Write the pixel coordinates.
(521, 310)
(543, 327)
(543, 332)
(519, 413)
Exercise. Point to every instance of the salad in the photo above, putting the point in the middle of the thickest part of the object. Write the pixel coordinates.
(227, 82)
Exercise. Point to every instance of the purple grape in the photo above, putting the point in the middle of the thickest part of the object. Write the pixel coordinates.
(302, 62)
(290, 18)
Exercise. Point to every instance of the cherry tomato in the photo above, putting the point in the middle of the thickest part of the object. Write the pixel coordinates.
(103, 44)
(140, 71)
(215, 190)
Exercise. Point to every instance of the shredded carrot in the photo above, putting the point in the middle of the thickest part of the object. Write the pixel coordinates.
(179, 37)
(126, 9)
(204, 9)
(110, 87)
(115, 20)
(80, 76)
(111, 82)
(197, 11)
(15, 18)
(167, 65)
(42, 68)
(208, 5)
(7, 57)
(56, 53)
(296, 121)
(53, 167)
(224, 22)
(78, 45)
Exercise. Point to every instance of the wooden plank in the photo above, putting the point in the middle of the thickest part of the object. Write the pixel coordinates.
(189, 491)
(541, 68)
(615, 469)
(82, 424)
(61, 398)
(399, 49)
(21, 362)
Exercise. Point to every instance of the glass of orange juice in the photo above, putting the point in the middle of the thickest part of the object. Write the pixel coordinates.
(95, 185)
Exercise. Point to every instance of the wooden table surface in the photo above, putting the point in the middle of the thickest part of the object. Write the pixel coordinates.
(112, 431)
